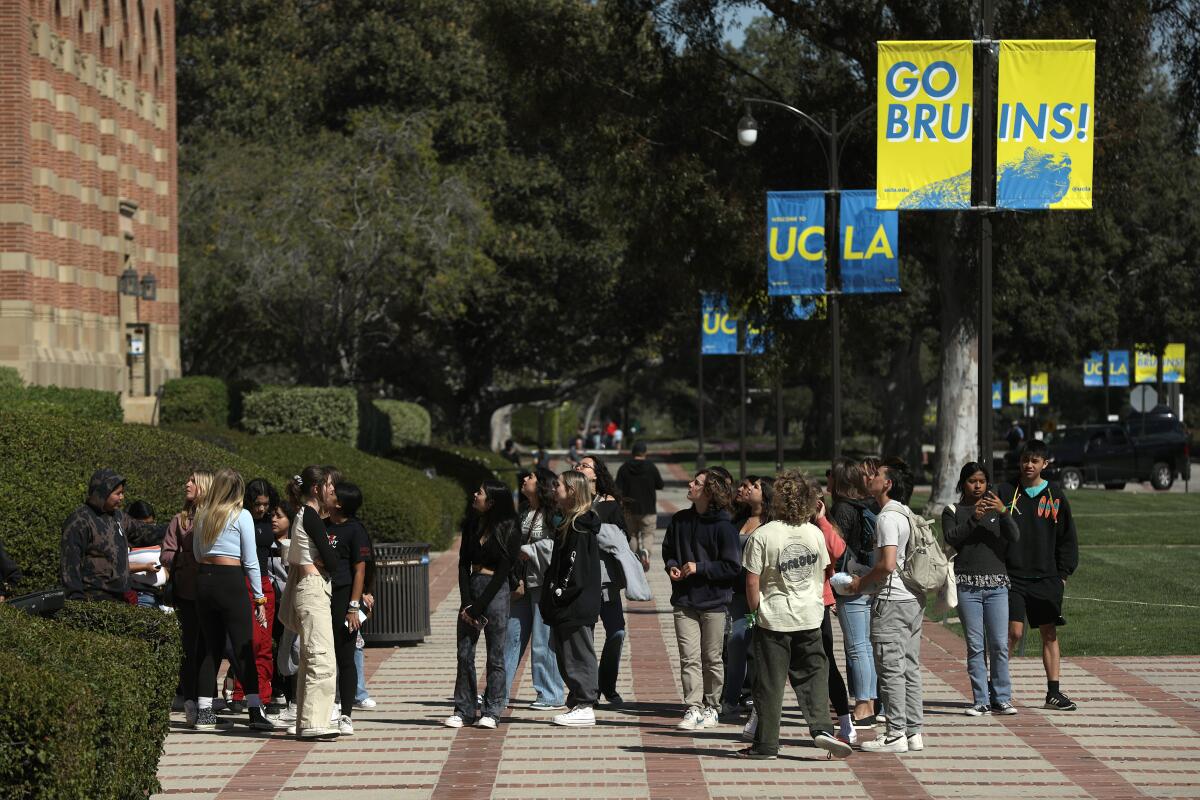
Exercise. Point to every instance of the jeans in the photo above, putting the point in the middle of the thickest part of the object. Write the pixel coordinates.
(984, 615)
(736, 649)
(896, 638)
(361, 694)
(612, 615)
(466, 684)
(854, 615)
(525, 625)
(797, 657)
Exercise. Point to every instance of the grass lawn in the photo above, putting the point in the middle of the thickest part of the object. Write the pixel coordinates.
(732, 462)
(1138, 555)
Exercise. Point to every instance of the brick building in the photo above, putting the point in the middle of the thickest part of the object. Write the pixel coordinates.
(88, 229)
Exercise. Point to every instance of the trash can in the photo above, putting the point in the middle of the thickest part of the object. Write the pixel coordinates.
(401, 595)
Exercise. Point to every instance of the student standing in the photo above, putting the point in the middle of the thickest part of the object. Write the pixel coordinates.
(753, 504)
(638, 481)
(981, 529)
(349, 541)
(836, 548)
(1040, 562)
(571, 598)
(700, 552)
(261, 499)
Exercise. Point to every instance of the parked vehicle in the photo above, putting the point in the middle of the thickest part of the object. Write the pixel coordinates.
(1146, 447)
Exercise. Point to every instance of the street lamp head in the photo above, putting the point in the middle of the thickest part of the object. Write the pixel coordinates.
(127, 284)
(747, 130)
(149, 287)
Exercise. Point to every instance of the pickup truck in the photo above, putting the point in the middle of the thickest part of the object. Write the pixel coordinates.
(1143, 448)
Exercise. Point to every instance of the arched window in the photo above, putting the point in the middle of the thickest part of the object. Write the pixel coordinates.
(158, 36)
(141, 23)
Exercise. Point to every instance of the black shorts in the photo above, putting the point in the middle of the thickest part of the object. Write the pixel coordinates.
(1040, 600)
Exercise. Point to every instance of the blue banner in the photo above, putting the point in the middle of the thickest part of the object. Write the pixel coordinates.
(795, 243)
(718, 330)
(810, 307)
(1093, 369)
(869, 245)
(997, 394)
(1118, 367)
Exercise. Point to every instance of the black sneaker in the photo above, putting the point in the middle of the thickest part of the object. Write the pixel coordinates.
(614, 699)
(259, 721)
(754, 755)
(1057, 701)
(206, 720)
(866, 722)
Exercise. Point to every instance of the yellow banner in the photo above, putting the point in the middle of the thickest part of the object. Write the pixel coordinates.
(1046, 122)
(1018, 391)
(1039, 389)
(924, 125)
(1145, 367)
(1174, 362)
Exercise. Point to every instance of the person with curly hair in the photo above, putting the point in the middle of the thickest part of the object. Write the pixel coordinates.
(786, 565)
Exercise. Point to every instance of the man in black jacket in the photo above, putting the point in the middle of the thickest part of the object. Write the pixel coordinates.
(639, 481)
(95, 542)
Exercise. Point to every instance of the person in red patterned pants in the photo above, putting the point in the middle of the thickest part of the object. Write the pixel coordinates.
(261, 499)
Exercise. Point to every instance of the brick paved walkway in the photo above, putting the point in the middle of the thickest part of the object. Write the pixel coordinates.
(1137, 734)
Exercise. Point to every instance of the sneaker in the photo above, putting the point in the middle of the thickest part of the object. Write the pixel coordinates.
(542, 705)
(206, 720)
(335, 714)
(729, 715)
(1057, 701)
(486, 722)
(835, 747)
(453, 721)
(279, 701)
(614, 699)
(580, 716)
(709, 717)
(288, 714)
(750, 728)
(189, 712)
(237, 706)
(644, 556)
(1007, 709)
(866, 722)
(916, 742)
(693, 719)
(977, 711)
(345, 726)
(894, 744)
(318, 733)
(259, 721)
(751, 753)
(364, 705)
(881, 719)
(220, 705)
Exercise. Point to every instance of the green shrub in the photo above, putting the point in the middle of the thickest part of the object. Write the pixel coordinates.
(410, 423)
(114, 721)
(465, 466)
(49, 459)
(328, 412)
(559, 424)
(89, 404)
(198, 398)
(10, 380)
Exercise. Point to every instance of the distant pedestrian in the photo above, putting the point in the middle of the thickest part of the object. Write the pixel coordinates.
(575, 451)
(1015, 436)
(638, 481)
(510, 452)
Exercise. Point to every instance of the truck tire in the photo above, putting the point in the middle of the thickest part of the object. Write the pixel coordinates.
(1162, 476)
(1070, 478)
(1115, 487)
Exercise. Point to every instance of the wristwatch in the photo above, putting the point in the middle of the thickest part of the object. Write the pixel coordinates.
(355, 604)
(260, 601)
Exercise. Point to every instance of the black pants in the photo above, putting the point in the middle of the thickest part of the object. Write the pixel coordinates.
(343, 648)
(794, 656)
(612, 615)
(193, 650)
(576, 652)
(223, 607)
(837, 686)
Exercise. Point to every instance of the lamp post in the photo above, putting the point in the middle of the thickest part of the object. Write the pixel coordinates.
(831, 146)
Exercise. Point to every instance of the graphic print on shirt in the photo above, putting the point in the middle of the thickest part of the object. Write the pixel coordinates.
(796, 565)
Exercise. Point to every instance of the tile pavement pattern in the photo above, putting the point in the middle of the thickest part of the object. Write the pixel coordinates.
(1137, 734)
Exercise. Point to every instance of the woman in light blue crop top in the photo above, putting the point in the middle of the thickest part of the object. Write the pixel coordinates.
(236, 540)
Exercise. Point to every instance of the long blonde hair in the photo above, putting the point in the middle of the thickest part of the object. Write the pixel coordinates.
(203, 480)
(222, 502)
(580, 491)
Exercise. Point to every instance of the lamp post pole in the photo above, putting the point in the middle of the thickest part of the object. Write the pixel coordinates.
(986, 171)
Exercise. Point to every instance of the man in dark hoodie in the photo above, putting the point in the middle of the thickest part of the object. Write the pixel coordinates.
(96, 539)
(702, 557)
(638, 482)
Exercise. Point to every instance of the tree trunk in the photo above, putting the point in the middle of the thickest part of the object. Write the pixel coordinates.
(956, 423)
(904, 407)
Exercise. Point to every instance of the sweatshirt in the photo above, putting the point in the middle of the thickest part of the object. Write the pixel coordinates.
(982, 545)
(94, 547)
(711, 541)
(1048, 545)
(571, 595)
(638, 481)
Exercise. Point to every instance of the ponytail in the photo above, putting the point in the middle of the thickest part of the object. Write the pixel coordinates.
(300, 487)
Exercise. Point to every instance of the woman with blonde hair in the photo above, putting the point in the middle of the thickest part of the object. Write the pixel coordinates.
(224, 545)
(177, 557)
(571, 598)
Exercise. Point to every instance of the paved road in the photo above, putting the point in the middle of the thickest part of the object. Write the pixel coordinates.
(1137, 734)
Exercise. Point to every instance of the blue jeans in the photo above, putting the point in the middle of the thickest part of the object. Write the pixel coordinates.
(736, 648)
(361, 694)
(854, 615)
(525, 625)
(984, 615)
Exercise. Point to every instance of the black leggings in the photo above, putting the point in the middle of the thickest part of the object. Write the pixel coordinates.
(837, 686)
(343, 649)
(223, 607)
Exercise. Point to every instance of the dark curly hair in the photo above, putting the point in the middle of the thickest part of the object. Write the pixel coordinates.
(718, 486)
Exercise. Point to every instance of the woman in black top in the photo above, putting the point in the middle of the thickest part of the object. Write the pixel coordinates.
(485, 560)
(349, 541)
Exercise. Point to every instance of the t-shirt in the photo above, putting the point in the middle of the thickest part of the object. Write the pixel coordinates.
(350, 541)
(892, 528)
(790, 561)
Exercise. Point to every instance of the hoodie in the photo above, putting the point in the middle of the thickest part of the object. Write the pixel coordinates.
(571, 595)
(95, 544)
(711, 541)
(638, 481)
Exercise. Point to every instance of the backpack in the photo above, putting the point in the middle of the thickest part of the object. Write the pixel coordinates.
(925, 563)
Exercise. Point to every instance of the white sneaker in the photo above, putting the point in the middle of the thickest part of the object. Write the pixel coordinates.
(345, 726)
(751, 727)
(897, 744)
(580, 716)
(365, 705)
(709, 718)
(335, 715)
(916, 742)
(318, 733)
(835, 747)
(693, 719)
(486, 722)
(453, 721)
(288, 714)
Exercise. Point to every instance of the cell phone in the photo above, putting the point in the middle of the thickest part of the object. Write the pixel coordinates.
(361, 619)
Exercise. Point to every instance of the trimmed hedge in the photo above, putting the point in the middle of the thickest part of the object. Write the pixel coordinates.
(49, 459)
(328, 412)
(560, 424)
(82, 403)
(10, 380)
(410, 423)
(465, 466)
(196, 399)
(98, 696)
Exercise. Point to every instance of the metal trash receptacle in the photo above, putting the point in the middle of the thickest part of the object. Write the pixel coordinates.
(401, 595)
